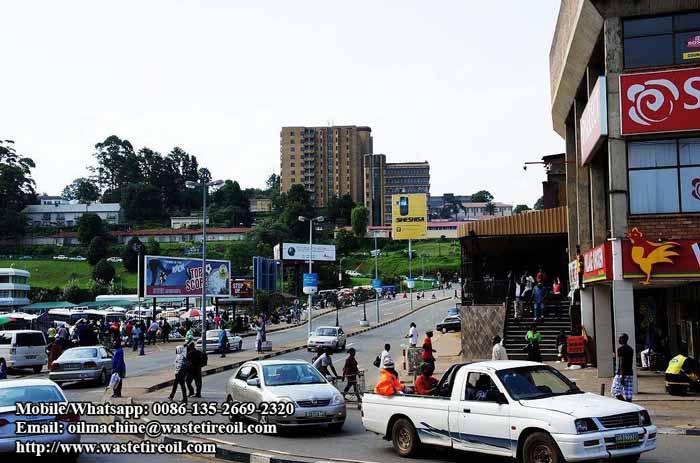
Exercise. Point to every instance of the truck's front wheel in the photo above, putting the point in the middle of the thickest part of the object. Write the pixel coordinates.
(539, 447)
(405, 438)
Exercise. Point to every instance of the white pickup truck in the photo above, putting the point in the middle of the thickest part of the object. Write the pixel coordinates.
(517, 409)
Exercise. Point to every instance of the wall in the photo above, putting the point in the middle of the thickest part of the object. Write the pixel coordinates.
(480, 323)
(667, 227)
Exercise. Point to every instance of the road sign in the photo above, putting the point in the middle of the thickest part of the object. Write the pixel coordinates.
(310, 283)
(411, 283)
(376, 283)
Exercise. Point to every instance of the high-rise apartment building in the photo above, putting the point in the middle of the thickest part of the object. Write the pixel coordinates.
(375, 165)
(328, 161)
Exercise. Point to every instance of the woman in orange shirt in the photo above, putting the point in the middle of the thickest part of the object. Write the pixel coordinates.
(427, 354)
(425, 383)
(388, 383)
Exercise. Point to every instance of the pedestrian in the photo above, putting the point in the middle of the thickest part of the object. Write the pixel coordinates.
(427, 354)
(118, 367)
(180, 374)
(518, 304)
(129, 330)
(649, 348)
(142, 338)
(55, 352)
(152, 332)
(165, 331)
(541, 276)
(189, 336)
(561, 346)
(259, 333)
(3, 368)
(350, 372)
(324, 364)
(385, 353)
(135, 333)
(388, 383)
(498, 352)
(217, 321)
(223, 342)
(538, 296)
(425, 383)
(51, 334)
(412, 335)
(623, 383)
(195, 360)
(533, 338)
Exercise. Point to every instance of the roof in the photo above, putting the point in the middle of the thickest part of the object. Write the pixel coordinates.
(107, 303)
(545, 222)
(166, 231)
(38, 306)
(14, 271)
(95, 207)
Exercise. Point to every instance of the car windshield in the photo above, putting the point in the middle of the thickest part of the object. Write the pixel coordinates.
(326, 332)
(290, 374)
(33, 394)
(536, 382)
(213, 333)
(78, 354)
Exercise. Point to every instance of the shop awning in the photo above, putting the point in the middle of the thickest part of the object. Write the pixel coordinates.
(544, 222)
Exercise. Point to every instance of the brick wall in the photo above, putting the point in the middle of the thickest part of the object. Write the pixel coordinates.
(668, 227)
(480, 323)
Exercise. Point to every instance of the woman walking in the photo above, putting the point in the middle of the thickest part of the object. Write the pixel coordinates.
(533, 338)
(180, 374)
(350, 372)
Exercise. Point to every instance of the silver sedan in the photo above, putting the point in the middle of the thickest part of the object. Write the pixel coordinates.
(316, 401)
(82, 364)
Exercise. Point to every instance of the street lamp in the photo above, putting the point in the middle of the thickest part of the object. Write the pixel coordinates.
(311, 221)
(205, 190)
(376, 273)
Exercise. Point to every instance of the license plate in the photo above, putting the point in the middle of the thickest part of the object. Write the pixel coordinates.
(314, 414)
(28, 357)
(627, 438)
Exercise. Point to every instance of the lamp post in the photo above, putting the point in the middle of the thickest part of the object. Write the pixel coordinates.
(205, 190)
(311, 256)
(376, 273)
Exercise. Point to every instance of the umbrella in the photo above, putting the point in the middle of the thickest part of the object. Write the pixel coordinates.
(192, 313)
(5, 319)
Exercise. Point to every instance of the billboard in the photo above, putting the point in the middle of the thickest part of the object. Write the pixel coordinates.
(656, 102)
(597, 263)
(177, 276)
(594, 121)
(299, 251)
(242, 289)
(409, 216)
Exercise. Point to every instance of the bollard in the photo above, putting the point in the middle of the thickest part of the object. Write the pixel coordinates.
(602, 388)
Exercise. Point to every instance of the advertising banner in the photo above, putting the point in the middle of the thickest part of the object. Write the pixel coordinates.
(597, 263)
(176, 276)
(655, 102)
(574, 281)
(300, 251)
(594, 121)
(648, 260)
(242, 289)
(409, 216)
(310, 283)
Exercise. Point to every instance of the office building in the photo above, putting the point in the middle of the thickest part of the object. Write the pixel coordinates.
(67, 215)
(14, 289)
(404, 177)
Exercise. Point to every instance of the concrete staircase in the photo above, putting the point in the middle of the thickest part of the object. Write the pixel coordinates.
(515, 330)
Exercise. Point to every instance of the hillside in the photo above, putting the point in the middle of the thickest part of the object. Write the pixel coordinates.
(57, 273)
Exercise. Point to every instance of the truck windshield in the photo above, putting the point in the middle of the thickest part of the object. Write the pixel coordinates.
(536, 382)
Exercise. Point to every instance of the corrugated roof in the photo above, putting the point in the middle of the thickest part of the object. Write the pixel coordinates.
(42, 306)
(544, 222)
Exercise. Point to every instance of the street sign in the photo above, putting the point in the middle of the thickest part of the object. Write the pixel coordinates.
(376, 283)
(375, 252)
(310, 283)
(411, 283)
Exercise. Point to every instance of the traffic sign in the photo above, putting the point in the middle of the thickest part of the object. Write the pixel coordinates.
(411, 283)
(310, 283)
(376, 283)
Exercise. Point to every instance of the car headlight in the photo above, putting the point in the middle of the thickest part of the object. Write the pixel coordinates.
(337, 400)
(644, 418)
(585, 425)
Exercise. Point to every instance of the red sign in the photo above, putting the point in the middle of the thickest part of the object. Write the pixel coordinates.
(242, 289)
(666, 101)
(594, 121)
(693, 42)
(646, 260)
(597, 264)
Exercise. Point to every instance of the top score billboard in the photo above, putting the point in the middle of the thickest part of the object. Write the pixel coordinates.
(409, 216)
(176, 276)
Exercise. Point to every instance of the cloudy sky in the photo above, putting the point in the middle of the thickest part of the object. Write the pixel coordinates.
(462, 84)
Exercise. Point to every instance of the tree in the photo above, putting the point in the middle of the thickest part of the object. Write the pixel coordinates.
(115, 163)
(142, 203)
(89, 226)
(82, 189)
(539, 204)
(360, 221)
(481, 196)
(296, 202)
(13, 224)
(490, 208)
(451, 208)
(273, 182)
(339, 210)
(230, 206)
(97, 250)
(241, 253)
(130, 256)
(152, 247)
(521, 208)
(103, 272)
(16, 184)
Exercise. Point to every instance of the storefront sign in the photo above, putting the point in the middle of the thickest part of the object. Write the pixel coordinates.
(655, 102)
(594, 121)
(688, 46)
(597, 264)
(176, 276)
(646, 260)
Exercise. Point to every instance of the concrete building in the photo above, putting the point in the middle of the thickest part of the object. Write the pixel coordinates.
(14, 289)
(194, 219)
(46, 200)
(625, 97)
(472, 210)
(67, 215)
(328, 161)
(164, 235)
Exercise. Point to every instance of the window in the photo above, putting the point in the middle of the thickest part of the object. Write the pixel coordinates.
(480, 387)
(661, 41)
(664, 176)
(243, 373)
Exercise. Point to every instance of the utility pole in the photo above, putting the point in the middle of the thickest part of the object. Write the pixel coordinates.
(376, 273)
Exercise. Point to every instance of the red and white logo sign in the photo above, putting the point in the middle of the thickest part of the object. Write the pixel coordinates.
(695, 192)
(667, 101)
(693, 42)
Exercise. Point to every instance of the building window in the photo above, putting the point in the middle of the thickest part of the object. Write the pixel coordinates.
(664, 176)
(292, 149)
(661, 40)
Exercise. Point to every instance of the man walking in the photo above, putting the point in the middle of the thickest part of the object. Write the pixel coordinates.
(223, 342)
(538, 295)
(427, 354)
(385, 353)
(195, 360)
(499, 352)
(412, 335)
(118, 367)
(623, 383)
(152, 332)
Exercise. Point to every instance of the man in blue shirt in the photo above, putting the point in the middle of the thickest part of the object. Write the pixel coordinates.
(538, 295)
(118, 367)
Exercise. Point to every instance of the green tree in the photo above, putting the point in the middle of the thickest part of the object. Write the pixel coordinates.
(89, 226)
(360, 221)
(339, 210)
(116, 163)
(521, 208)
(103, 272)
(82, 189)
(293, 204)
(481, 196)
(142, 203)
(230, 206)
(241, 253)
(13, 224)
(451, 208)
(130, 256)
(490, 208)
(152, 247)
(539, 204)
(16, 184)
(346, 243)
(97, 250)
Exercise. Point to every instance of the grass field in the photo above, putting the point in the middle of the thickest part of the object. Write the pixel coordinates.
(52, 273)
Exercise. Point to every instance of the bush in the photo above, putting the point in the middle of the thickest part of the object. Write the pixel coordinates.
(97, 250)
(103, 272)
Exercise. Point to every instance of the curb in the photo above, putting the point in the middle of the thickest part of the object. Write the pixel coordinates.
(231, 366)
(677, 431)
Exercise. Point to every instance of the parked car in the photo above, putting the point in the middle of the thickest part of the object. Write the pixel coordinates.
(25, 258)
(327, 336)
(516, 409)
(114, 259)
(316, 401)
(235, 343)
(60, 257)
(453, 323)
(82, 364)
(32, 391)
(78, 258)
(453, 311)
(24, 349)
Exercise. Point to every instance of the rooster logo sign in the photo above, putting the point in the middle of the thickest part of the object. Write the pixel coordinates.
(647, 254)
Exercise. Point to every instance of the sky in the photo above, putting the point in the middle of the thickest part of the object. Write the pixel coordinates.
(463, 84)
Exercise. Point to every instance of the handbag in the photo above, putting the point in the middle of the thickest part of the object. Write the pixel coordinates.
(377, 362)
(617, 389)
